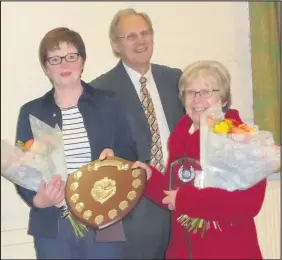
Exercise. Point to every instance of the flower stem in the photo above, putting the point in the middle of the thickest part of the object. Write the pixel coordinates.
(79, 228)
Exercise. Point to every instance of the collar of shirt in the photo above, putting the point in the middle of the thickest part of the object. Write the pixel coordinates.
(135, 77)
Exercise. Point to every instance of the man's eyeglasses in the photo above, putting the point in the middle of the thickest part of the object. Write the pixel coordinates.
(204, 93)
(133, 36)
(70, 57)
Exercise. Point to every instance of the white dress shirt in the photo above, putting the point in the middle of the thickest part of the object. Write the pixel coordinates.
(152, 88)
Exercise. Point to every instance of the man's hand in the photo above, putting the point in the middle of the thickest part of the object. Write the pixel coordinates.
(106, 153)
(139, 164)
(50, 194)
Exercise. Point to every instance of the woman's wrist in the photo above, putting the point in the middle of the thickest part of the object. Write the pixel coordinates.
(37, 202)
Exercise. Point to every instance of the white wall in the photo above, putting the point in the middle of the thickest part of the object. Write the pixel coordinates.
(184, 32)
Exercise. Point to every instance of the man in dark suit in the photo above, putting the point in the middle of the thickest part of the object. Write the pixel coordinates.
(150, 95)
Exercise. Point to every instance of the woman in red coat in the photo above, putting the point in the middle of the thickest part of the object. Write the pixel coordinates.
(201, 85)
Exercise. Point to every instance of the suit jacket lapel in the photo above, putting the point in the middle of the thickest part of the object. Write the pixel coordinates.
(129, 95)
(128, 91)
(165, 95)
(136, 117)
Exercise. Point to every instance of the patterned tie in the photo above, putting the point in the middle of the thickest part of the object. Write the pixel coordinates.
(148, 106)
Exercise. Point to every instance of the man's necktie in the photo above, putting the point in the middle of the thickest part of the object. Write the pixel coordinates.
(156, 149)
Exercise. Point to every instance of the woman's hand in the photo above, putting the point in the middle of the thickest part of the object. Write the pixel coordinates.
(170, 199)
(141, 165)
(107, 152)
(50, 194)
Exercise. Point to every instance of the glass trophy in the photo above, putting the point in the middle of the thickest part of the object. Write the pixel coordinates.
(183, 171)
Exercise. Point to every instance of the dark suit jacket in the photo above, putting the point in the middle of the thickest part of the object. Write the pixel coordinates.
(148, 232)
(166, 80)
(106, 127)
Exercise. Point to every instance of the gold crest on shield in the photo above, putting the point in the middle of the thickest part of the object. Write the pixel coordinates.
(103, 190)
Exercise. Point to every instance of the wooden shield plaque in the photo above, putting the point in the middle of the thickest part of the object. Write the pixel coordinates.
(103, 192)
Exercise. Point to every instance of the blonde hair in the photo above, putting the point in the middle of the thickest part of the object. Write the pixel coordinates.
(122, 13)
(204, 68)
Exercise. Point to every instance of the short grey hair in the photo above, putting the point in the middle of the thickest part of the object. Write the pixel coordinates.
(207, 68)
(116, 19)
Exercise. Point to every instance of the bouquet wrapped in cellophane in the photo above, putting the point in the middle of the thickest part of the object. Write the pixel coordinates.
(233, 156)
(41, 158)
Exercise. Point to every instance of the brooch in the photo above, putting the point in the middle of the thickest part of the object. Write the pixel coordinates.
(185, 174)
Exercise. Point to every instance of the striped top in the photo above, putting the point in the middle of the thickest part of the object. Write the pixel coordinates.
(76, 142)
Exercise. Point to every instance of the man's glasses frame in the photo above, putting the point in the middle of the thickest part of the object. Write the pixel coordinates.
(133, 36)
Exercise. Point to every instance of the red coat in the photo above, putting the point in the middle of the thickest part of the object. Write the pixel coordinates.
(235, 210)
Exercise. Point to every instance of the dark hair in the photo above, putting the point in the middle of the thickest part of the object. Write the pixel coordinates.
(53, 38)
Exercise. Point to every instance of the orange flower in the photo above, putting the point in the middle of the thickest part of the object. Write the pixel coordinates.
(237, 130)
(25, 146)
(28, 144)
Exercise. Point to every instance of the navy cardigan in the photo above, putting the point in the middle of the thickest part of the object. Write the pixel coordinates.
(106, 125)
